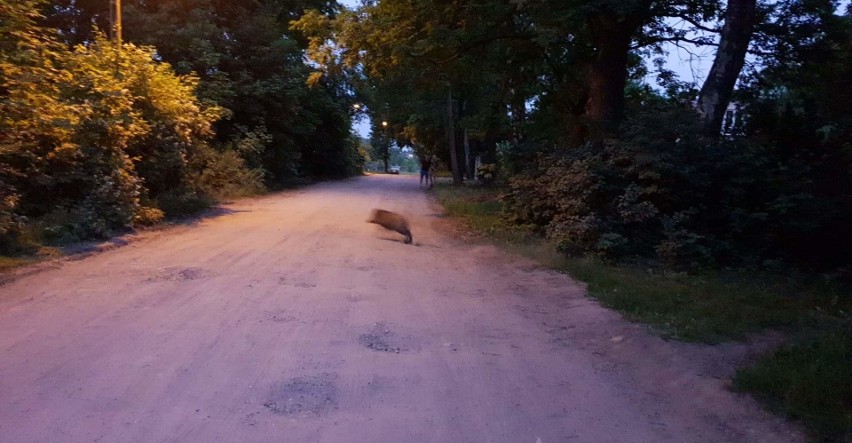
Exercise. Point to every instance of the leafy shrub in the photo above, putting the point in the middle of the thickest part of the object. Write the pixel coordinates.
(661, 191)
(147, 216)
(89, 133)
(66, 131)
(223, 174)
(10, 222)
(174, 156)
(486, 172)
(182, 202)
(251, 144)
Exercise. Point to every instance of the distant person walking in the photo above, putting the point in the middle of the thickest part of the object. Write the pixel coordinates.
(425, 165)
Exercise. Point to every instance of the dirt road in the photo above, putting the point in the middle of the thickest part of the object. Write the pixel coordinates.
(289, 319)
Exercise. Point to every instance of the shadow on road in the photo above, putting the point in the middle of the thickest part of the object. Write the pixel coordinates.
(208, 214)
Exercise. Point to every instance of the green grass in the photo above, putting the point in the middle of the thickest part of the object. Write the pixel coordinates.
(480, 209)
(708, 309)
(27, 257)
(810, 380)
(9, 263)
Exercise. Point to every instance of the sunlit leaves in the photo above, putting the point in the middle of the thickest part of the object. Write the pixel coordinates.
(76, 124)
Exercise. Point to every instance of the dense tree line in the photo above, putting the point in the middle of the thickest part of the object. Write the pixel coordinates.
(203, 99)
(209, 97)
(554, 94)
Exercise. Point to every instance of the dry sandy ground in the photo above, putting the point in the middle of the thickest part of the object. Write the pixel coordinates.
(289, 319)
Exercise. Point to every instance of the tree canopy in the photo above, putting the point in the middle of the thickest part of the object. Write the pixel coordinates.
(545, 88)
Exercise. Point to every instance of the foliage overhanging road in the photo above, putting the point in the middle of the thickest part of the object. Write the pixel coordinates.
(287, 318)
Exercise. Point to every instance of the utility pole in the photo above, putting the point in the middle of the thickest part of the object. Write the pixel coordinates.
(115, 21)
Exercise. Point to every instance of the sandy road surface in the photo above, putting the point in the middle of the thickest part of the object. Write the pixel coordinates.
(289, 319)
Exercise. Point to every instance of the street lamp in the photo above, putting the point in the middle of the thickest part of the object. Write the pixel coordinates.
(385, 147)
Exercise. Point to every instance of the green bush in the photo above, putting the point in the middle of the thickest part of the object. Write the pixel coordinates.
(89, 134)
(182, 202)
(10, 222)
(223, 174)
(661, 191)
(487, 173)
(620, 197)
(147, 216)
(66, 130)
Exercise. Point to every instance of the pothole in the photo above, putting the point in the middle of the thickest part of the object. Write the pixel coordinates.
(180, 274)
(309, 394)
(381, 338)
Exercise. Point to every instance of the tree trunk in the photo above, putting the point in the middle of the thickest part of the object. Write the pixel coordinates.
(518, 109)
(451, 138)
(611, 34)
(718, 88)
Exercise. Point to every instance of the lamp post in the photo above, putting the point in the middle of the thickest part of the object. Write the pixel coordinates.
(385, 147)
(115, 20)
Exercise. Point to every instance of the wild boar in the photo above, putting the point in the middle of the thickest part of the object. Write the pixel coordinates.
(392, 221)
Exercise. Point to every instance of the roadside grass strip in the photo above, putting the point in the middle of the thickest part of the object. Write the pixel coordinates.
(687, 307)
(809, 379)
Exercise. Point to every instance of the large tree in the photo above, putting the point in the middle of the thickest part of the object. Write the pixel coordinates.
(612, 28)
(715, 95)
